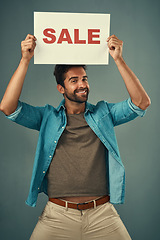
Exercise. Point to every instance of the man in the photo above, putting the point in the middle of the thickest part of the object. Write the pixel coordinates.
(77, 162)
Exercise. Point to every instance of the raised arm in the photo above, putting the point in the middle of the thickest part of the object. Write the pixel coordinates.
(135, 89)
(10, 99)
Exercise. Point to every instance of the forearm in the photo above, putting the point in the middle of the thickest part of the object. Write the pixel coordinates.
(10, 99)
(135, 89)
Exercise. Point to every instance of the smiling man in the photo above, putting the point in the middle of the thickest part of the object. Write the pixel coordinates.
(76, 87)
(77, 162)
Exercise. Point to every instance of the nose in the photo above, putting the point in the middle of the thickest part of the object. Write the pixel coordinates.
(82, 84)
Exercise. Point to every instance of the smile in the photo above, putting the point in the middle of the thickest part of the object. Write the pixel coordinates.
(82, 91)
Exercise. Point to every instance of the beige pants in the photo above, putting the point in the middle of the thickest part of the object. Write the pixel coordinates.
(60, 223)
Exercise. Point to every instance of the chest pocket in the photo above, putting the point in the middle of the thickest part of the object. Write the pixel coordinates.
(105, 124)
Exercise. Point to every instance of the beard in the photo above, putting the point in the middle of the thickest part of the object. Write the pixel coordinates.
(75, 97)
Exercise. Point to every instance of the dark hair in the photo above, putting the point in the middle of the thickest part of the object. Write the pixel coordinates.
(60, 70)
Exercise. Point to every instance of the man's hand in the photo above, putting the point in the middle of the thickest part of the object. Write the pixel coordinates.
(10, 99)
(27, 47)
(115, 47)
(135, 89)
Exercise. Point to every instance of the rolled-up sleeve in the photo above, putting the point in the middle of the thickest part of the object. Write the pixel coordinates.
(15, 114)
(27, 115)
(124, 111)
(136, 109)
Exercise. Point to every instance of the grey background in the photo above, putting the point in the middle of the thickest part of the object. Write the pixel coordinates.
(137, 24)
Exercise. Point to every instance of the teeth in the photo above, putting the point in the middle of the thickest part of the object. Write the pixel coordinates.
(81, 91)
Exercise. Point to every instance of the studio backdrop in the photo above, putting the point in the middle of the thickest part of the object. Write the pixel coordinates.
(137, 24)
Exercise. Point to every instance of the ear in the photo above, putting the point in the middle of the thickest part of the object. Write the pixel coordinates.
(60, 88)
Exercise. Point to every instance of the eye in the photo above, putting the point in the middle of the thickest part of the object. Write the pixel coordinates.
(73, 81)
(85, 79)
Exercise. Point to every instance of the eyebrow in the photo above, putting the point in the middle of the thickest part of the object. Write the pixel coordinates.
(77, 77)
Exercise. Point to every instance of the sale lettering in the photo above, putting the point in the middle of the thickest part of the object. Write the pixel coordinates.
(50, 36)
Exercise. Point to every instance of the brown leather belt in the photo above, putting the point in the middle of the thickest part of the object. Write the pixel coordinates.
(81, 206)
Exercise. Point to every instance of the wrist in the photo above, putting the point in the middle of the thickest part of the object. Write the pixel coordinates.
(119, 61)
(25, 61)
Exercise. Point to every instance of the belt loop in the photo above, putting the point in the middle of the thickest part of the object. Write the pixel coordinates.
(66, 206)
(94, 204)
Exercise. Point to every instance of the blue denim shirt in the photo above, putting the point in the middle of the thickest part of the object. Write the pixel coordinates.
(51, 122)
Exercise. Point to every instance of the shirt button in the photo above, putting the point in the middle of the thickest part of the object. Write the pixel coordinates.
(55, 141)
(38, 188)
(62, 127)
(50, 156)
(43, 171)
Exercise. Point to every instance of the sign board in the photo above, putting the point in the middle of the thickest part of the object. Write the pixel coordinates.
(71, 38)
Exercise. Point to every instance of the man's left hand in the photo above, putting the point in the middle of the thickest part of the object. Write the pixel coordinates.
(115, 47)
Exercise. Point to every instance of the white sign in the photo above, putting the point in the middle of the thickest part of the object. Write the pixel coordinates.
(71, 38)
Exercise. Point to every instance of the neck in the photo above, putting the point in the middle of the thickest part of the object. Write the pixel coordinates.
(74, 107)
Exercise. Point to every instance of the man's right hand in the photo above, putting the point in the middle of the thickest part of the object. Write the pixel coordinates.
(27, 47)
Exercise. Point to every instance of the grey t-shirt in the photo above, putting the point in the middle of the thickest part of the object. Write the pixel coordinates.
(78, 167)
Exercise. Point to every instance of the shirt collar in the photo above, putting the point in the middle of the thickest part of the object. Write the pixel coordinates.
(89, 107)
(61, 105)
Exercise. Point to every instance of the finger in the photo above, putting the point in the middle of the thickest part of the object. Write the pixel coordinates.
(111, 37)
(115, 43)
(28, 45)
(29, 36)
(33, 47)
(29, 41)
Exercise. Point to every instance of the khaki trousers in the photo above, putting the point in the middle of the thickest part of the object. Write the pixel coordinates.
(60, 223)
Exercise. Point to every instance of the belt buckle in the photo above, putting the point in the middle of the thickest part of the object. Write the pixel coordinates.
(80, 204)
